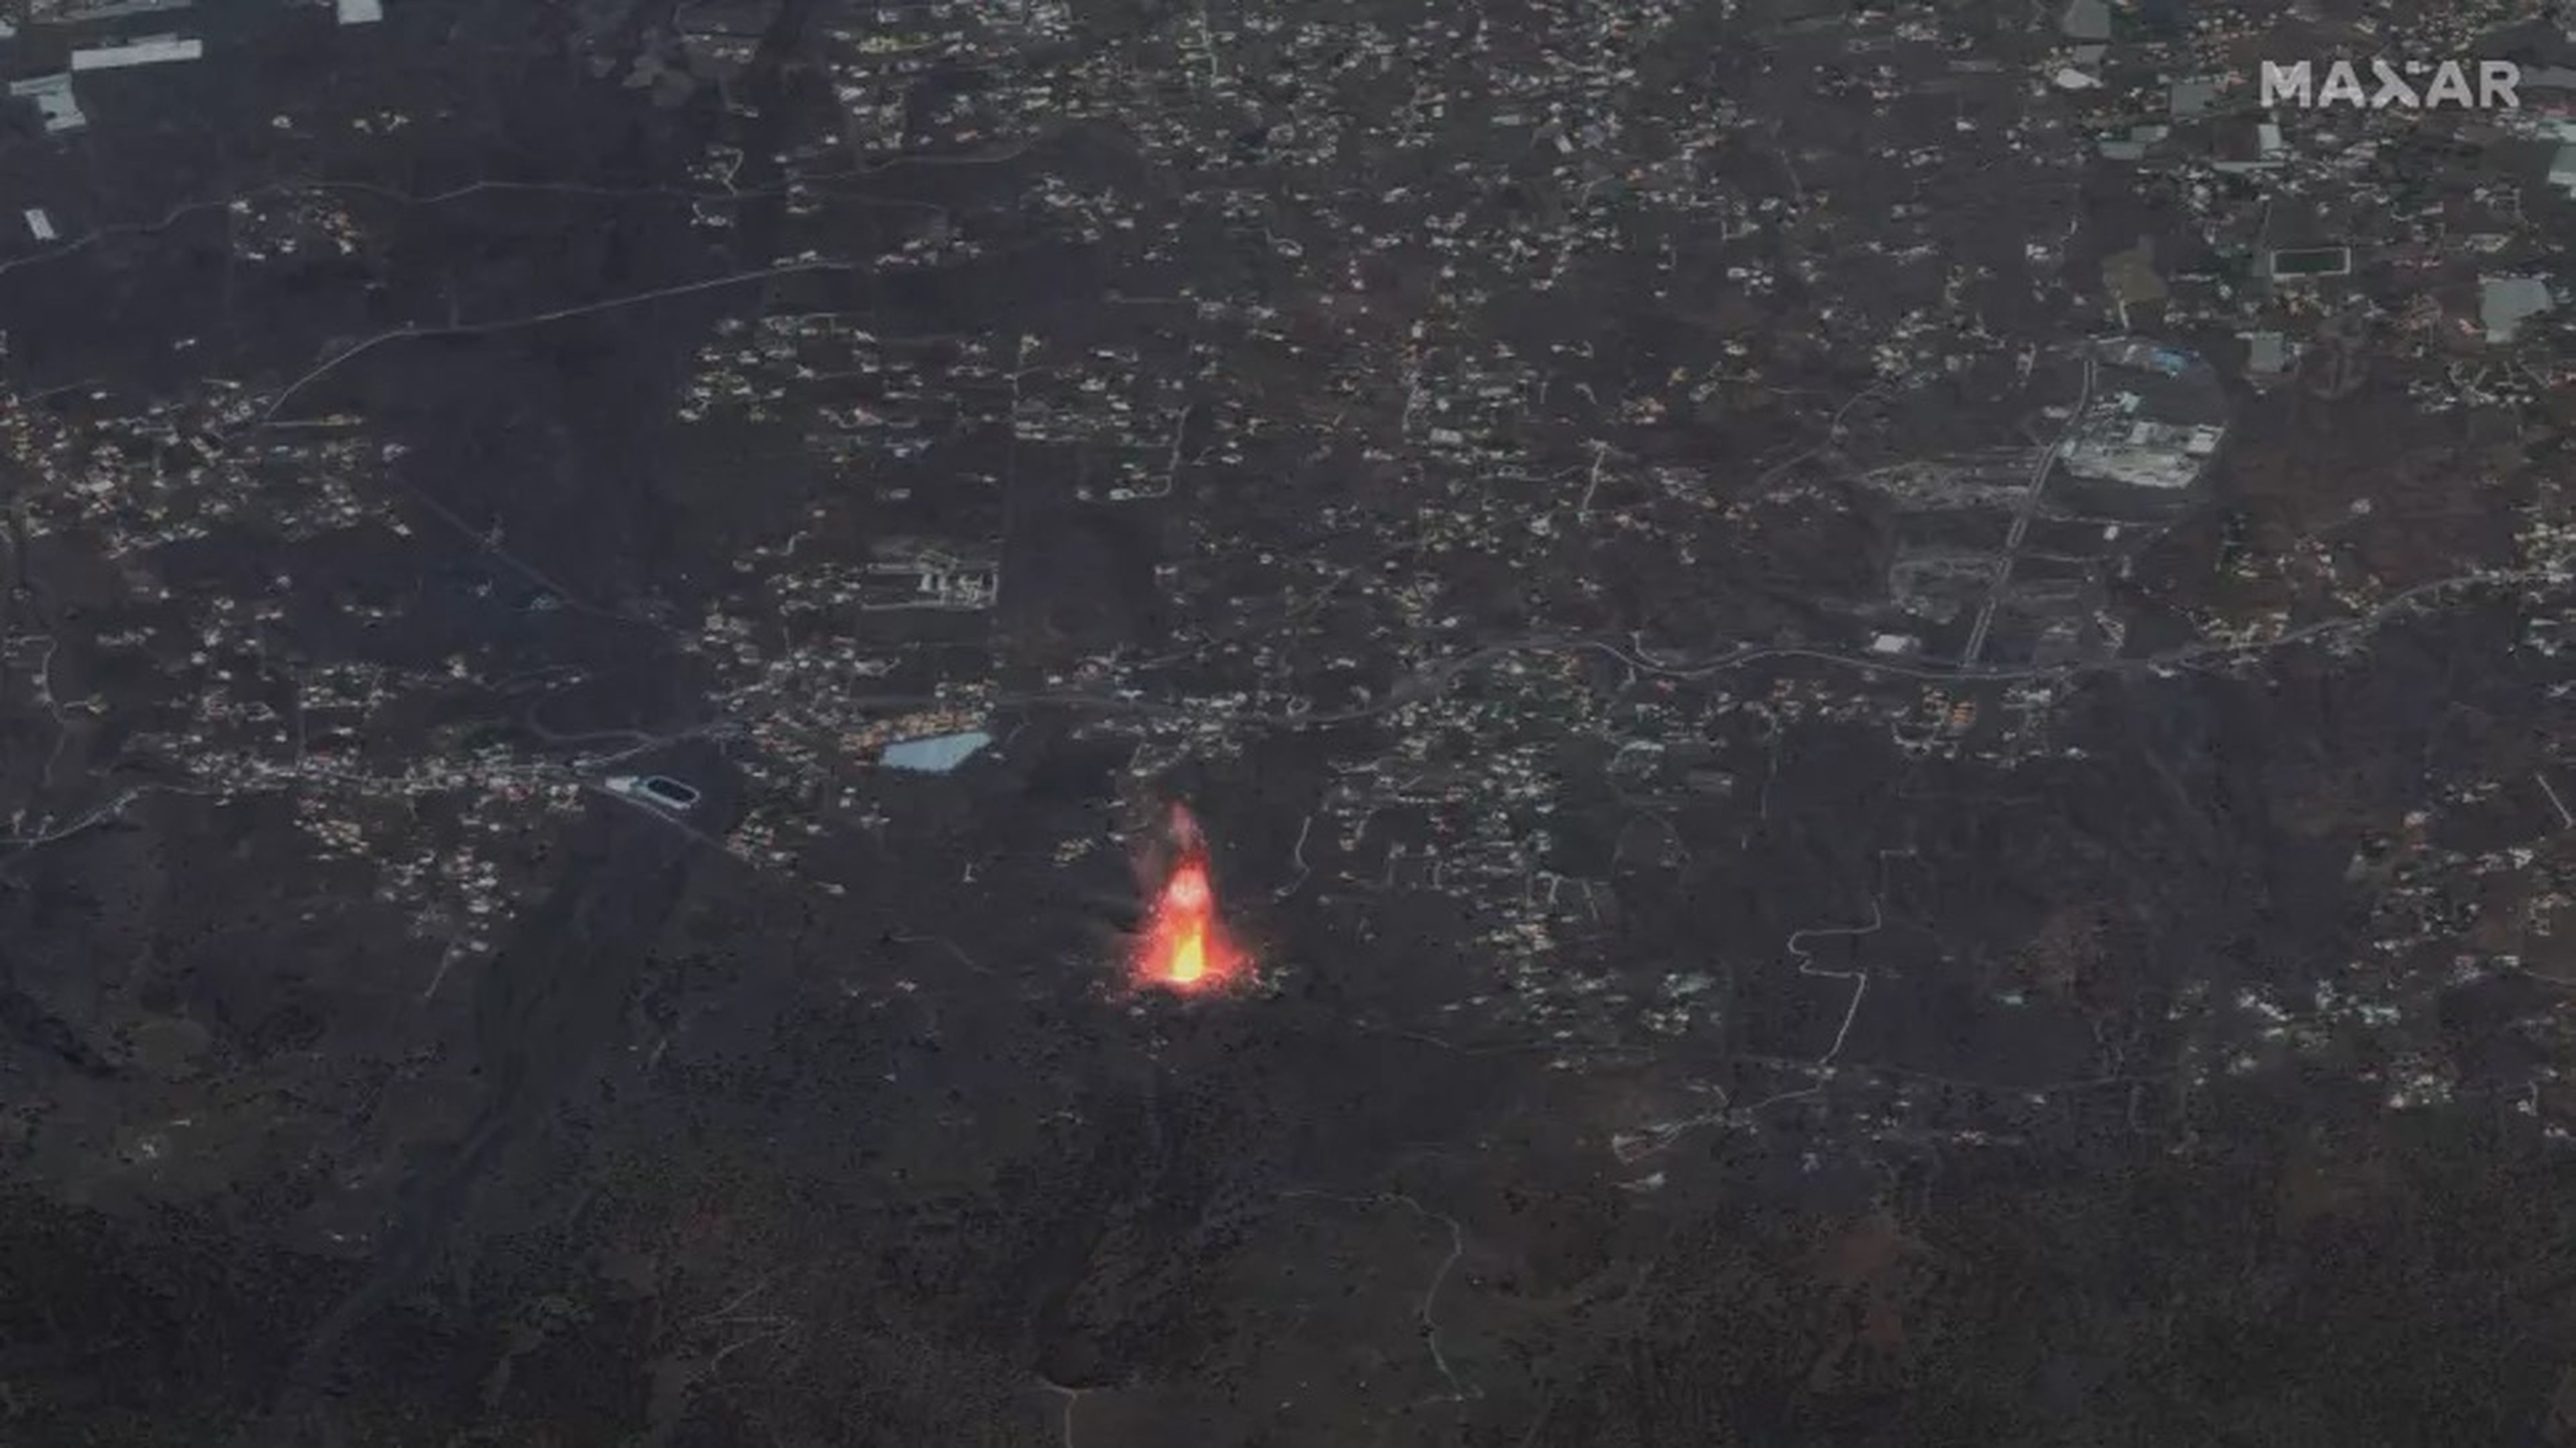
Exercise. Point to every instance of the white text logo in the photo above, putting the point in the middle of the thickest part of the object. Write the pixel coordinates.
(2413, 86)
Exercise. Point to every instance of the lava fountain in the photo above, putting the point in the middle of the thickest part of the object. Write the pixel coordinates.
(1185, 946)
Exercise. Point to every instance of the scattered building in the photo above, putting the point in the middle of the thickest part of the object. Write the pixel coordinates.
(2013, 546)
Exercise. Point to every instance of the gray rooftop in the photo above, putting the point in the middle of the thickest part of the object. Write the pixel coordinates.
(2191, 97)
(54, 101)
(2505, 303)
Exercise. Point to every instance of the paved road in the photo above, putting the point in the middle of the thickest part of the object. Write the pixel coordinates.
(2022, 514)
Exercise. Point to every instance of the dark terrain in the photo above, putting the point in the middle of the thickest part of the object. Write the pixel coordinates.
(371, 1073)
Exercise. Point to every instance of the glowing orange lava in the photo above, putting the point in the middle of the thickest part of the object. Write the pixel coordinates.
(1185, 947)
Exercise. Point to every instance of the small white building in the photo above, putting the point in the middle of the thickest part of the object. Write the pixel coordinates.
(361, 12)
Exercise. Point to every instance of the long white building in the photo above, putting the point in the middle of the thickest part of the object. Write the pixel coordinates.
(151, 51)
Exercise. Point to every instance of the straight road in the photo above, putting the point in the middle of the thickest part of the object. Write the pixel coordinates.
(2022, 514)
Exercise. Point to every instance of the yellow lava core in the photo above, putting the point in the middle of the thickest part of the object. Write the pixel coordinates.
(1189, 959)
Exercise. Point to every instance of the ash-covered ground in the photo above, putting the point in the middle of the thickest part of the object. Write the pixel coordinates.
(1858, 821)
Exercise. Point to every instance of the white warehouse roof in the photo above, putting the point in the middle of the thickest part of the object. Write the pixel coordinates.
(141, 52)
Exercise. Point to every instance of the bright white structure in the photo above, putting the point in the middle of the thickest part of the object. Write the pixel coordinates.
(361, 12)
(152, 51)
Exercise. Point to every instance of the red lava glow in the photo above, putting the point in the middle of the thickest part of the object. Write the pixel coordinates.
(1185, 946)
